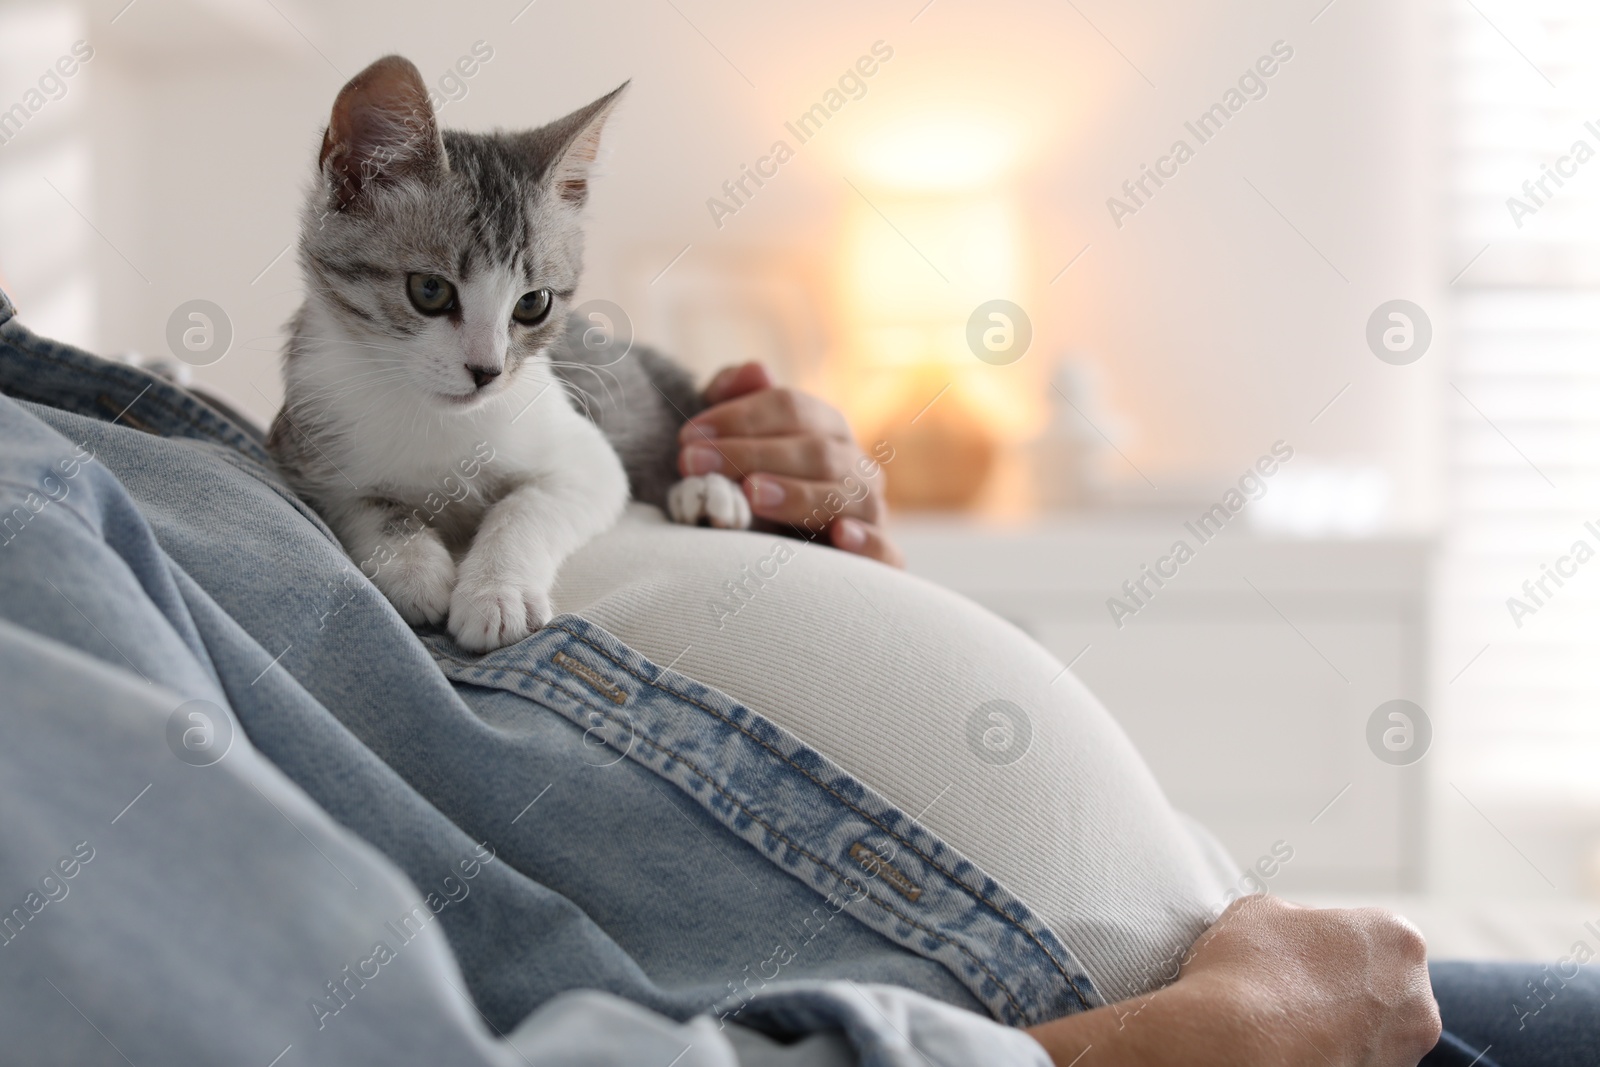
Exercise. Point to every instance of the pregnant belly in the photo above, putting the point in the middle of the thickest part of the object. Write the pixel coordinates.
(952, 713)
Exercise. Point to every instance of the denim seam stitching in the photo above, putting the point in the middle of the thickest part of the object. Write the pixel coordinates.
(826, 788)
(87, 412)
(588, 701)
(781, 836)
(1073, 985)
(975, 894)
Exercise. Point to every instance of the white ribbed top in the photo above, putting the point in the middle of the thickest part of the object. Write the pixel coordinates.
(884, 672)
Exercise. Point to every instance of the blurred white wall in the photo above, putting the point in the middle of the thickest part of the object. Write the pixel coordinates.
(45, 170)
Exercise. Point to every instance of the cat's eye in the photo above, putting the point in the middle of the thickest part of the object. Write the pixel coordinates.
(533, 308)
(431, 294)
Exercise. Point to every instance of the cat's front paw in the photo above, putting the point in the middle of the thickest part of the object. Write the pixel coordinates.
(418, 580)
(710, 497)
(486, 616)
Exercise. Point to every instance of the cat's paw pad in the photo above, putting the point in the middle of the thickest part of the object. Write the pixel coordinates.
(710, 497)
(484, 617)
(419, 580)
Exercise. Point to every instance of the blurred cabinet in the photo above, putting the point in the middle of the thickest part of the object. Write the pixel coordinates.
(1246, 681)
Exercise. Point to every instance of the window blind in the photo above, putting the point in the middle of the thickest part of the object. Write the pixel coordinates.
(1521, 647)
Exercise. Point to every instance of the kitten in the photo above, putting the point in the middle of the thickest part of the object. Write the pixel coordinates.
(433, 382)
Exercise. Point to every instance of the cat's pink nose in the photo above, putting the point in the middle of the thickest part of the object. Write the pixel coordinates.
(482, 376)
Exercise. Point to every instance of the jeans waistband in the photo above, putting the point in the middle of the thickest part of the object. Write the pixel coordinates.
(804, 813)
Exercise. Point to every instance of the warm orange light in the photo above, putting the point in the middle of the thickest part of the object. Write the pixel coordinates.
(941, 153)
(932, 229)
(913, 267)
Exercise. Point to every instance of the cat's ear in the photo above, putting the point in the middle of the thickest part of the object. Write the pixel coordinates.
(563, 153)
(382, 130)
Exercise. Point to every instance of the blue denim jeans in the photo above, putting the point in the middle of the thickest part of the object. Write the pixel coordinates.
(1517, 1015)
(301, 824)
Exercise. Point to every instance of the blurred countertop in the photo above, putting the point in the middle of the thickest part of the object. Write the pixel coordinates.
(1097, 551)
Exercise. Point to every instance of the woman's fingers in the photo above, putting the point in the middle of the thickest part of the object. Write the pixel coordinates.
(796, 458)
(810, 507)
(819, 459)
(865, 539)
(730, 382)
(766, 413)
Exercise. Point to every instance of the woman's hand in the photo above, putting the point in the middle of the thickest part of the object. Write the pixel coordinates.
(796, 459)
(1273, 985)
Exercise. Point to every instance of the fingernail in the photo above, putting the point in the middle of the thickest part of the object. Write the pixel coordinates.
(848, 533)
(765, 493)
(701, 459)
(697, 431)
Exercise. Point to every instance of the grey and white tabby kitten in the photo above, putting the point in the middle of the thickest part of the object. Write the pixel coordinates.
(440, 411)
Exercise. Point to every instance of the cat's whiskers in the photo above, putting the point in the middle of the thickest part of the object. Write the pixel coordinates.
(580, 396)
(332, 342)
(346, 386)
(356, 369)
(336, 395)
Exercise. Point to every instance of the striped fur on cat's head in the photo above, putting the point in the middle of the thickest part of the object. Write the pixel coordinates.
(441, 260)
